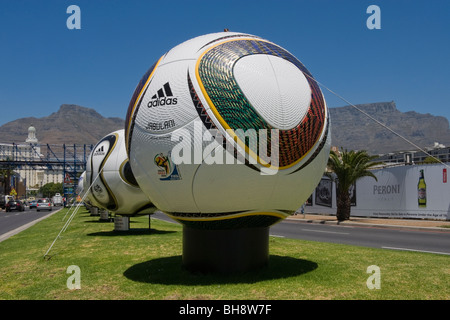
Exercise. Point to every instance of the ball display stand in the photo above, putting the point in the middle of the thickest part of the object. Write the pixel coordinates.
(225, 251)
(94, 211)
(121, 223)
(104, 215)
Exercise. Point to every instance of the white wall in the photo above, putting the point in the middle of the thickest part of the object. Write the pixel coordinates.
(395, 194)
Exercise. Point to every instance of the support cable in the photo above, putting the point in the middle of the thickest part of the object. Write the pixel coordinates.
(377, 121)
(69, 220)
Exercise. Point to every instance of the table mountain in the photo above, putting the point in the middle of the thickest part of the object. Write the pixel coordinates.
(353, 130)
(71, 124)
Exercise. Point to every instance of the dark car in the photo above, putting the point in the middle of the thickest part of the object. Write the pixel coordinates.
(14, 205)
(33, 204)
(44, 204)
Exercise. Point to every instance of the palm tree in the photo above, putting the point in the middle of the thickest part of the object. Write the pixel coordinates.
(347, 167)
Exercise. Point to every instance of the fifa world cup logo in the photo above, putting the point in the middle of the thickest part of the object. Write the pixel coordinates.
(162, 162)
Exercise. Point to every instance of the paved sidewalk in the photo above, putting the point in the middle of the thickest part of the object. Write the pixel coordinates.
(443, 225)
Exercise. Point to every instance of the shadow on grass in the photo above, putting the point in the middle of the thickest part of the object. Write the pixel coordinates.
(99, 221)
(130, 232)
(105, 221)
(108, 220)
(169, 271)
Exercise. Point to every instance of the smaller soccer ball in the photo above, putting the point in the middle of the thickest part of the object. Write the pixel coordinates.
(84, 192)
(112, 184)
(80, 190)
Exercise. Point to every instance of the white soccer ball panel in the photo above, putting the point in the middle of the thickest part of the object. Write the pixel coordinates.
(276, 88)
(166, 104)
(129, 199)
(167, 184)
(230, 188)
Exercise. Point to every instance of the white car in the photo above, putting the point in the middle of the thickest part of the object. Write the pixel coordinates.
(44, 204)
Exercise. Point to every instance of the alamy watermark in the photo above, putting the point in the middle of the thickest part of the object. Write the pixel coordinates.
(74, 281)
(374, 280)
(209, 147)
(74, 20)
(374, 20)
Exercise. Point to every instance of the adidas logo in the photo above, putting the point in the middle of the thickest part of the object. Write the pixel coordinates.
(163, 97)
(100, 151)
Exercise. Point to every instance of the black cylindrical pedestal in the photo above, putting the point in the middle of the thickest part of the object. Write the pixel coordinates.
(225, 251)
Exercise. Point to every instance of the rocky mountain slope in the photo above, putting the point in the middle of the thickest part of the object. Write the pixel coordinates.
(351, 129)
(71, 124)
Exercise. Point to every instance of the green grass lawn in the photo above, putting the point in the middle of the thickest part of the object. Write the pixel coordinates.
(146, 264)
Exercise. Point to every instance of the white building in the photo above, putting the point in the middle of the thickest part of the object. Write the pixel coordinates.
(439, 151)
(29, 153)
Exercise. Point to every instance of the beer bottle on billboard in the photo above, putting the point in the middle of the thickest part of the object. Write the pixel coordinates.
(422, 191)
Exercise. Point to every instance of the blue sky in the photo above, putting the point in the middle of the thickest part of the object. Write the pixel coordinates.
(43, 64)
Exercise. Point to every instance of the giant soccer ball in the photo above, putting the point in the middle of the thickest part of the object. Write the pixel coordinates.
(111, 182)
(228, 130)
(80, 190)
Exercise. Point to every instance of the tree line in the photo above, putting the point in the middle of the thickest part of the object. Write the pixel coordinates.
(48, 190)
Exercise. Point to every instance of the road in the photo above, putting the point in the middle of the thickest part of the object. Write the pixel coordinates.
(432, 241)
(14, 221)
